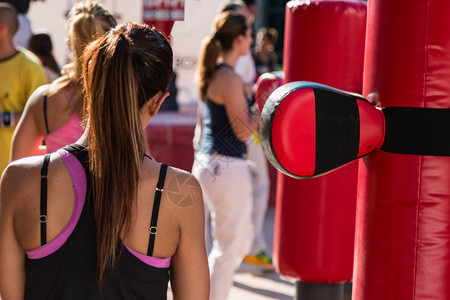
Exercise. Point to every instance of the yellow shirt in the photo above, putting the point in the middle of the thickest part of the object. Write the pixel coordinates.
(20, 75)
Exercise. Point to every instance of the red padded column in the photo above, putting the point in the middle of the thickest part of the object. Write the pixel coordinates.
(403, 218)
(315, 218)
(324, 42)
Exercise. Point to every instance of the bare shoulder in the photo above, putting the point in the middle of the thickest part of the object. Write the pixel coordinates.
(36, 97)
(225, 83)
(19, 178)
(22, 168)
(22, 178)
(228, 75)
(230, 81)
(182, 189)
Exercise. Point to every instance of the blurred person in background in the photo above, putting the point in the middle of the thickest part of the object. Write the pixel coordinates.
(41, 44)
(252, 7)
(20, 74)
(266, 59)
(245, 65)
(256, 160)
(24, 31)
(55, 111)
(220, 165)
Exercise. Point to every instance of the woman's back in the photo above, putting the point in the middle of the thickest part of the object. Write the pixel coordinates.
(224, 97)
(54, 116)
(123, 191)
(66, 185)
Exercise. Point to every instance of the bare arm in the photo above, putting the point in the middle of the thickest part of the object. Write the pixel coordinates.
(27, 137)
(199, 117)
(12, 256)
(242, 121)
(189, 270)
(198, 127)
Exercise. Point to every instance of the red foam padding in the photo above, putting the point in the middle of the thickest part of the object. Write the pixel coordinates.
(324, 43)
(314, 225)
(293, 132)
(403, 221)
(265, 85)
(314, 231)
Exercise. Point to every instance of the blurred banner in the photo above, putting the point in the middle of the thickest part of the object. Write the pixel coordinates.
(186, 39)
(163, 13)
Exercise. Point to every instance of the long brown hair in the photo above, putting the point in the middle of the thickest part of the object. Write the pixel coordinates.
(87, 20)
(228, 26)
(121, 72)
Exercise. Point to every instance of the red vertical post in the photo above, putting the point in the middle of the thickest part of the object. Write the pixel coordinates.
(403, 218)
(315, 218)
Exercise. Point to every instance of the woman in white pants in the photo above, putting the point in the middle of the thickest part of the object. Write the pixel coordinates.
(220, 165)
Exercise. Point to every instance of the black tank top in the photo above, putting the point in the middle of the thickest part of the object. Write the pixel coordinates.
(218, 134)
(70, 272)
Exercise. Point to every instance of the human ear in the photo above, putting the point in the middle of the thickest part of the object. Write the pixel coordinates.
(238, 40)
(156, 103)
(151, 108)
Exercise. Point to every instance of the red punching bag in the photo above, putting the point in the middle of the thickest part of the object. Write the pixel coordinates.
(329, 128)
(403, 218)
(315, 218)
(265, 85)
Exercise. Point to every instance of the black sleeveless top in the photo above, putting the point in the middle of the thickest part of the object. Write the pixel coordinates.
(70, 272)
(218, 134)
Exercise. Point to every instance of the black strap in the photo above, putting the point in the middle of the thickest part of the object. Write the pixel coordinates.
(417, 131)
(43, 210)
(156, 203)
(224, 65)
(45, 114)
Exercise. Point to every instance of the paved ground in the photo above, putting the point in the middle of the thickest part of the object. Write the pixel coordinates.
(258, 283)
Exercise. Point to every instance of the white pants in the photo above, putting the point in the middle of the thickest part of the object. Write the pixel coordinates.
(261, 184)
(227, 190)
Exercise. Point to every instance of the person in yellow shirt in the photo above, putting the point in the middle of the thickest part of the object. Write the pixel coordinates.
(20, 74)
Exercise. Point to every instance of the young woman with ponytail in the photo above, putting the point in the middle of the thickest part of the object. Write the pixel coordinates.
(99, 219)
(219, 165)
(54, 112)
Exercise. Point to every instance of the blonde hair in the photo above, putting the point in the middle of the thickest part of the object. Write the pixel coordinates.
(87, 20)
(228, 26)
(121, 72)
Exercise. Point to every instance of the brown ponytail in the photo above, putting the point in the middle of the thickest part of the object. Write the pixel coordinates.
(228, 26)
(122, 71)
(207, 64)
